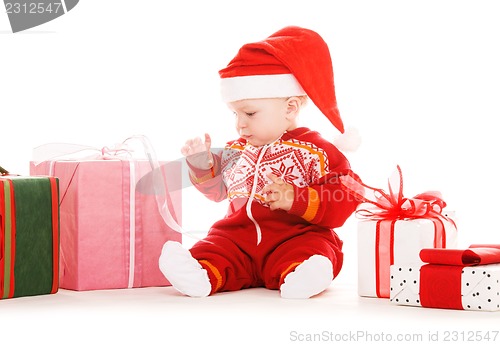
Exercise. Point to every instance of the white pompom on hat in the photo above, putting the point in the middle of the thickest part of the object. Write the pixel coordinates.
(348, 141)
(293, 61)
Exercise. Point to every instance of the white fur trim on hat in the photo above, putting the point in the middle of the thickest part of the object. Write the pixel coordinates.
(260, 86)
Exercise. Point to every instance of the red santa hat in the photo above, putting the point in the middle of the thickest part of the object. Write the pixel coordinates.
(291, 62)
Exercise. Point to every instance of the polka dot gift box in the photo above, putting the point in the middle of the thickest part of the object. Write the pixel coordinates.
(466, 279)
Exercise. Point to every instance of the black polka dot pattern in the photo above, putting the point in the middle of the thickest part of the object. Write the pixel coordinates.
(481, 287)
(405, 285)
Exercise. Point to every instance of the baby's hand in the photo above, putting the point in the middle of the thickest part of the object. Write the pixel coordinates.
(279, 194)
(198, 153)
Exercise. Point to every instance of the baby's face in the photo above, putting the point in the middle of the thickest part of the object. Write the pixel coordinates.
(262, 121)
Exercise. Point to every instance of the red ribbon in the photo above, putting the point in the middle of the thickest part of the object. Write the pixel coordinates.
(441, 278)
(393, 205)
(384, 256)
(476, 254)
(440, 286)
(386, 209)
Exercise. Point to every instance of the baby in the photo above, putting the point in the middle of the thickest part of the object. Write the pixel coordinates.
(281, 180)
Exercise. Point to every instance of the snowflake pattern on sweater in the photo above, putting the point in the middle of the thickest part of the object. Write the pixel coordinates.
(296, 162)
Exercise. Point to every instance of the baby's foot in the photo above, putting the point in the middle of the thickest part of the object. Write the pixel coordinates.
(309, 278)
(183, 271)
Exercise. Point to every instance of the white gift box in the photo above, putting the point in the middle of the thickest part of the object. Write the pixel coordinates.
(396, 242)
(480, 287)
(395, 229)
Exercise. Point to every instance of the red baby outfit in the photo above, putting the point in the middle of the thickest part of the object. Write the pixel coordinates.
(253, 246)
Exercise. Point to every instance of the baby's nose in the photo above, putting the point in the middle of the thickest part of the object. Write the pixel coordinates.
(240, 121)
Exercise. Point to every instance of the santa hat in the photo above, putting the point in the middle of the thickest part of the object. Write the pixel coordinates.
(291, 62)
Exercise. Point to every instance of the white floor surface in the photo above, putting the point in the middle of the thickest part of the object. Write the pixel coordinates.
(160, 315)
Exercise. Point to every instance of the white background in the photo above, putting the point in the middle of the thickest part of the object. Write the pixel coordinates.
(420, 80)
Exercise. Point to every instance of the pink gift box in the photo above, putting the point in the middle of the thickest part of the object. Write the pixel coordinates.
(112, 233)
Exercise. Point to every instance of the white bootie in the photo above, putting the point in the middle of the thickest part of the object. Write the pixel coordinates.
(309, 278)
(183, 271)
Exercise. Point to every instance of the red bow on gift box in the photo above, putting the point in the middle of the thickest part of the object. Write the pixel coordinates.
(476, 254)
(393, 205)
(389, 208)
(441, 278)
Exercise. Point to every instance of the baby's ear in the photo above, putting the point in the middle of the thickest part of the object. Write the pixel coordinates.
(293, 106)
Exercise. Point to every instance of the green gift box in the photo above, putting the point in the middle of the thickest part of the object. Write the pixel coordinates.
(29, 236)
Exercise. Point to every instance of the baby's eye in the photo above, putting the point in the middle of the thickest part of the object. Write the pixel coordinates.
(250, 114)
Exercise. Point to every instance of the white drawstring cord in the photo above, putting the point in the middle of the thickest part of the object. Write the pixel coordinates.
(252, 193)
